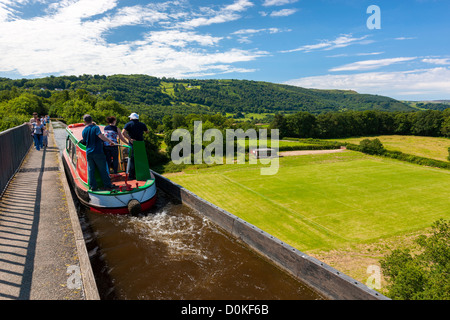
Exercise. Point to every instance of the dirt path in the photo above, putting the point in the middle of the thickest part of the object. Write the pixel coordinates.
(304, 152)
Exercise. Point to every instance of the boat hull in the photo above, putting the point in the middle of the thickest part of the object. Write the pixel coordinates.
(120, 203)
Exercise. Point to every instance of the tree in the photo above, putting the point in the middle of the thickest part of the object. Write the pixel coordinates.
(73, 110)
(26, 103)
(152, 147)
(301, 125)
(403, 123)
(427, 123)
(371, 146)
(167, 122)
(426, 275)
(279, 122)
(178, 121)
(239, 115)
(445, 129)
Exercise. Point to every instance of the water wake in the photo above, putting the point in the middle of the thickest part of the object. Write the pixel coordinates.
(181, 234)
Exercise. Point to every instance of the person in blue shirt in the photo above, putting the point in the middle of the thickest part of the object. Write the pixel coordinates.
(134, 131)
(93, 139)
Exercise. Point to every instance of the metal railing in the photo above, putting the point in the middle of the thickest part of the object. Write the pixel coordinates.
(14, 145)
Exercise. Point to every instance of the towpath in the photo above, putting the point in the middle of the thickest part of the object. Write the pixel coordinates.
(305, 152)
(42, 252)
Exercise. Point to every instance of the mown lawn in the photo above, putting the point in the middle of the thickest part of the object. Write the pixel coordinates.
(428, 147)
(328, 201)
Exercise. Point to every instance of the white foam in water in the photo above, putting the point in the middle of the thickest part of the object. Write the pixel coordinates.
(180, 233)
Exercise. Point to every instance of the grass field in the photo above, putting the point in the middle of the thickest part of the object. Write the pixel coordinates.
(281, 143)
(329, 201)
(428, 147)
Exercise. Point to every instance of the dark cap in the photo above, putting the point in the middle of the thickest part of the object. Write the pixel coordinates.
(87, 118)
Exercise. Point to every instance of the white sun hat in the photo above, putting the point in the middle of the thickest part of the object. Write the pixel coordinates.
(133, 116)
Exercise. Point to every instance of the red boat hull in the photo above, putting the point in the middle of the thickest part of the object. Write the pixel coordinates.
(131, 198)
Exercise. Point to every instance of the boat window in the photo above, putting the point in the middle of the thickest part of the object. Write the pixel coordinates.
(73, 153)
(71, 150)
(68, 143)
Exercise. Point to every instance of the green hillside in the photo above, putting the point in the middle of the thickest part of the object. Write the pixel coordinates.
(440, 105)
(157, 97)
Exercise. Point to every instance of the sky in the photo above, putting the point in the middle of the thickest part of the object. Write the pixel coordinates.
(396, 48)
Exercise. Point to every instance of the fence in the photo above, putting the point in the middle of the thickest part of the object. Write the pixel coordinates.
(14, 145)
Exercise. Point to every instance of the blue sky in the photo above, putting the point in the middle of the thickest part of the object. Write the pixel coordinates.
(310, 43)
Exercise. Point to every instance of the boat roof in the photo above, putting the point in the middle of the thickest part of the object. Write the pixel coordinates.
(76, 130)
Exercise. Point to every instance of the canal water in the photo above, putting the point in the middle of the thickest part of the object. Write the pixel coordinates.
(173, 253)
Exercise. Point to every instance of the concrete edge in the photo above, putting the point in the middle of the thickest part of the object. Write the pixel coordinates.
(328, 281)
(88, 280)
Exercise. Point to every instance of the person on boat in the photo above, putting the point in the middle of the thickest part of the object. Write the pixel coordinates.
(134, 131)
(112, 151)
(93, 139)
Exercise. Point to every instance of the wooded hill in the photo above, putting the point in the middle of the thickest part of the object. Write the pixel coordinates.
(157, 97)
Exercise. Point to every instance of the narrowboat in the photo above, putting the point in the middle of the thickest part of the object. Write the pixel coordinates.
(129, 196)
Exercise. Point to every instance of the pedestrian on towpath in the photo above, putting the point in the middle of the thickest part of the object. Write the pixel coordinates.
(45, 138)
(35, 116)
(37, 131)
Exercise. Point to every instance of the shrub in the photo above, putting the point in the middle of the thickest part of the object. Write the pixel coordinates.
(372, 146)
(423, 276)
(416, 159)
(152, 146)
(310, 147)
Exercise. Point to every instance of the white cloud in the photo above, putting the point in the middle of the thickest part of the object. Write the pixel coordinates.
(10, 8)
(254, 31)
(136, 15)
(340, 42)
(371, 64)
(71, 38)
(413, 84)
(369, 53)
(238, 6)
(283, 13)
(206, 21)
(6, 12)
(77, 9)
(445, 61)
(176, 38)
(225, 14)
(245, 34)
(268, 3)
(357, 54)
